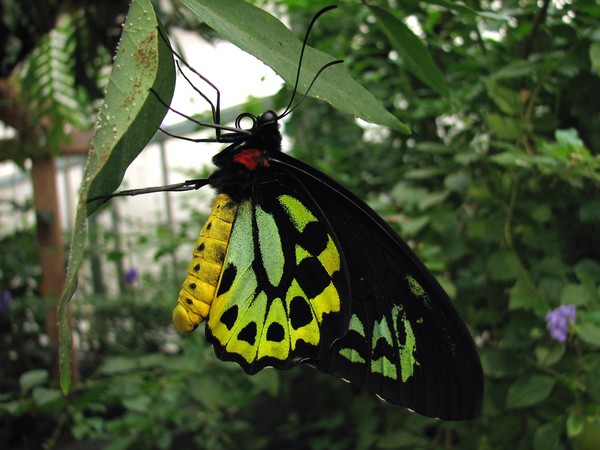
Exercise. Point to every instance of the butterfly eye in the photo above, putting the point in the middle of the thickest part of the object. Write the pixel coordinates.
(267, 117)
(243, 120)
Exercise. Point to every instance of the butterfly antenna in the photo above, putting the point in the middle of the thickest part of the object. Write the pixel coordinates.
(289, 108)
(329, 64)
(216, 126)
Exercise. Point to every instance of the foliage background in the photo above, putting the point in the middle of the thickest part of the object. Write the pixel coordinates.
(496, 189)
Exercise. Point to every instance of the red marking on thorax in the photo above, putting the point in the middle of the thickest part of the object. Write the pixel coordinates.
(252, 159)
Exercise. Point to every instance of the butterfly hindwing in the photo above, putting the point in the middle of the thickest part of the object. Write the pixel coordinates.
(281, 296)
(406, 342)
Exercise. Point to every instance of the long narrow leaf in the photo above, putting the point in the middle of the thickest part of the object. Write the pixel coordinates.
(128, 119)
(262, 35)
(412, 51)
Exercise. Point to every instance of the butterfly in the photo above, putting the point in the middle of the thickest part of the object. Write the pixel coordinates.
(291, 267)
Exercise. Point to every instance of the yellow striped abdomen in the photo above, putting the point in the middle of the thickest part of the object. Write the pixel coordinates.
(204, 271)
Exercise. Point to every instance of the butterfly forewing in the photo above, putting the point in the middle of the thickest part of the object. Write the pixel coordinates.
(282, 295)
(406, 342)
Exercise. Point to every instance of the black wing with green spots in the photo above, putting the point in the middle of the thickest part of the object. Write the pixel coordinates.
(406, 342)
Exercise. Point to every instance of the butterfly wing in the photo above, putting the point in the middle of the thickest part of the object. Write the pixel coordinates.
(406, 342)
(280, 296)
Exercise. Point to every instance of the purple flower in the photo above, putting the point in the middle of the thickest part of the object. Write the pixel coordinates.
(131, 276)
(559, 320)
(5, 301)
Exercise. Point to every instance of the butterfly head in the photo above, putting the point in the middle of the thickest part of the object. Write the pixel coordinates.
(245, 162)
(265, 133)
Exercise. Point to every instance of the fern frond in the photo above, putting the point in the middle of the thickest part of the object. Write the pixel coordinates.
(48, 82)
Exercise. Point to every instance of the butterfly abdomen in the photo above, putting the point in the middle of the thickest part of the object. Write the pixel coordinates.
(205, 269)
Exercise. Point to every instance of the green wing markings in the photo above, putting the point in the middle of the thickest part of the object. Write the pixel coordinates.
(408, 349)
(269, 242)
(357, 325)
(382, 346)
(297, 212)
(241, 246)
(418, 291)
(301, 254)
(352, 354)
(383, 342)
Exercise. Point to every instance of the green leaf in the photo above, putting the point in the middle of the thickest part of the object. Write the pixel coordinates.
(423, 173)
(467, 11)
(407, 194)
(262, 35)
(516, 69)
(587, 269)
(550, 288)
(547, 435)
(541, 213)
(209, 394)
(44, 396)
(549, 353)
(29, 380)
(589, 212)
(568, 137)
(123, 442)
(507, 100)
(128, 119)
(117, 364)
(405, 439)
(588, 331)
(529, 390)
(412, 51)
(523, 296)
(131, 113)
(510, 159)
(575, 294)
(12, 407)
(595, 57)
(574, 425)
(584, 431)
(457, 181)
(139, 403)
(432, 199)
(591, 378)
(504, 127)
(267, 380)
(502, 266)
(411, 226)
